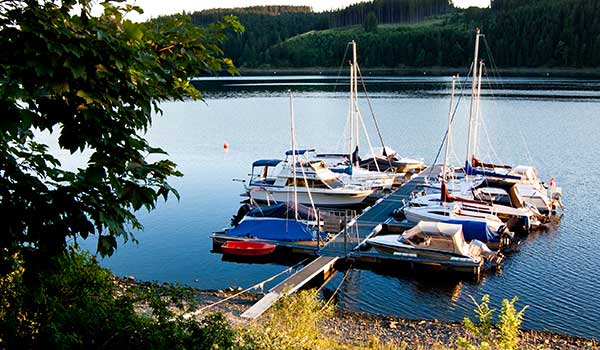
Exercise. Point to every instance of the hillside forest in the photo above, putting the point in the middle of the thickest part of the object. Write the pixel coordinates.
(416, 33)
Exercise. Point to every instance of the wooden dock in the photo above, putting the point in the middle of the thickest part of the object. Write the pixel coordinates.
(322, 266)
(344, 245)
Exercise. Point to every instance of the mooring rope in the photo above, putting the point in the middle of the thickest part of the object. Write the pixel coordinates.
(258, 285)
(338, 287)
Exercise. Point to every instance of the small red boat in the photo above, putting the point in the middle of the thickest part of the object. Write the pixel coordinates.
(247, 248)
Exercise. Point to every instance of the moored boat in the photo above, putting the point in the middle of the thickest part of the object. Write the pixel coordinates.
(311, 182)
(434, 243)
(247, 248)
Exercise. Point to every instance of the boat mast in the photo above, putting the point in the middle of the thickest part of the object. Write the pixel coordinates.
(293, 132)
(449, 134)
(355, 94)
(477, 112)
(473, 92)
(351, 114)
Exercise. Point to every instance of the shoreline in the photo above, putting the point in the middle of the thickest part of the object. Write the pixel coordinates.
(356, 328)
(433, 71)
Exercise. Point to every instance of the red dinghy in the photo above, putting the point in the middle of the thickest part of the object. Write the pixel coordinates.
(247, 248)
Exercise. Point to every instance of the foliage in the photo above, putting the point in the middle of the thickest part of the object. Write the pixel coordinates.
(483, 335)
(519, 33)
(293, 324)
(268, 26)
(83, 307)
(94, 82)
(370, 24)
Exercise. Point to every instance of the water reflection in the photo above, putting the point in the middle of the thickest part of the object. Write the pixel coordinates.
(553, 124)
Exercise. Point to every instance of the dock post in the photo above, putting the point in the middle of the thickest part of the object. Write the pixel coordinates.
(318, 229)
(345, 230)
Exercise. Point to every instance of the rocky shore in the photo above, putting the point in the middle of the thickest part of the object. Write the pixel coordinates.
(354, 328)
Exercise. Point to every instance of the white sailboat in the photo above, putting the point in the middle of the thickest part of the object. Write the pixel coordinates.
(531, 187)
(302, 180)
(350, 164)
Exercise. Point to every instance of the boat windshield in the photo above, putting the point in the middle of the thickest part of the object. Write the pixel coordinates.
(492, 195)
(334, 183)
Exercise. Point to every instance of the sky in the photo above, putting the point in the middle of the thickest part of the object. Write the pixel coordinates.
(153, 8)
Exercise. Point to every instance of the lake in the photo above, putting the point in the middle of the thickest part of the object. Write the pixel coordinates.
(551, 123)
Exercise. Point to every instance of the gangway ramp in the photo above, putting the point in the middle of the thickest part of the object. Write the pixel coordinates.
(321, 265)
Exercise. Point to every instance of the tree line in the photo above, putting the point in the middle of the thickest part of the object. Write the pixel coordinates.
(520, 33)
(267, 26)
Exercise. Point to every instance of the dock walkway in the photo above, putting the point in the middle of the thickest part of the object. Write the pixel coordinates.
(343, 245)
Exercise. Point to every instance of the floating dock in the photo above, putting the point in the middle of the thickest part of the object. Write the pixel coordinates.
(345, 245)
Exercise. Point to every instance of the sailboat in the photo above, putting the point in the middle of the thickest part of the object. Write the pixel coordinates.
(284, 222)
(309, 181)
(479, 221)
(533, 190)
(350, 165)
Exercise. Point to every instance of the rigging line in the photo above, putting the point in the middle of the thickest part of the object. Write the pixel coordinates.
(310, 197)
(338, 287)
(495, 70)
(493, 99)
(337, 78)
(484, 124)
(497, 73)
(362, 80)
(451, 120)
(257, 285)
(379, 134)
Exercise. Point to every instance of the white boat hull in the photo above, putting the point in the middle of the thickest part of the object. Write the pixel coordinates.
(326, 198)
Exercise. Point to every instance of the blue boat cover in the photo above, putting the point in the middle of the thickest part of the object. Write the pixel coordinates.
(469, 170)
(477, 230)
(266, 162)
(286, 210)
(298, 151)
(273, 229)
(342, 170)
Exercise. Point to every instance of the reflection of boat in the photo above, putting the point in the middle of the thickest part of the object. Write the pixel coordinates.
(312, 181)
(435, 243)
(247, 248)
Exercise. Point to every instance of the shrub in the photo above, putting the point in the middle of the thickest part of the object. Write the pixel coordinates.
(293, 324)
(483, 335)
(81, 307)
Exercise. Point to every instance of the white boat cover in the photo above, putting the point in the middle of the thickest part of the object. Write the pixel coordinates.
(440, 236)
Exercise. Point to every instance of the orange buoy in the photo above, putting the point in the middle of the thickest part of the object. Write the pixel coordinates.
(225, 145)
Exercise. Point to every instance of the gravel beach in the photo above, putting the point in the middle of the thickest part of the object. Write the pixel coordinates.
(354, 328)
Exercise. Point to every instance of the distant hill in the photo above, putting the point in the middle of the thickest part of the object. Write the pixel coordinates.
(416, 33)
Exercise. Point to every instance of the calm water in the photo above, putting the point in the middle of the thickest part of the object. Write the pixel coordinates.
(550, 123)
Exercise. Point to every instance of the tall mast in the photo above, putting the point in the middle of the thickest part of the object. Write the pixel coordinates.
(355, 93)
(293, 132)
(477, 111)
(473, 92)
(351, 114)
(449, 133)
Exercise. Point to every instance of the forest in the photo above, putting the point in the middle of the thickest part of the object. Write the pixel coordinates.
(416, 33)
